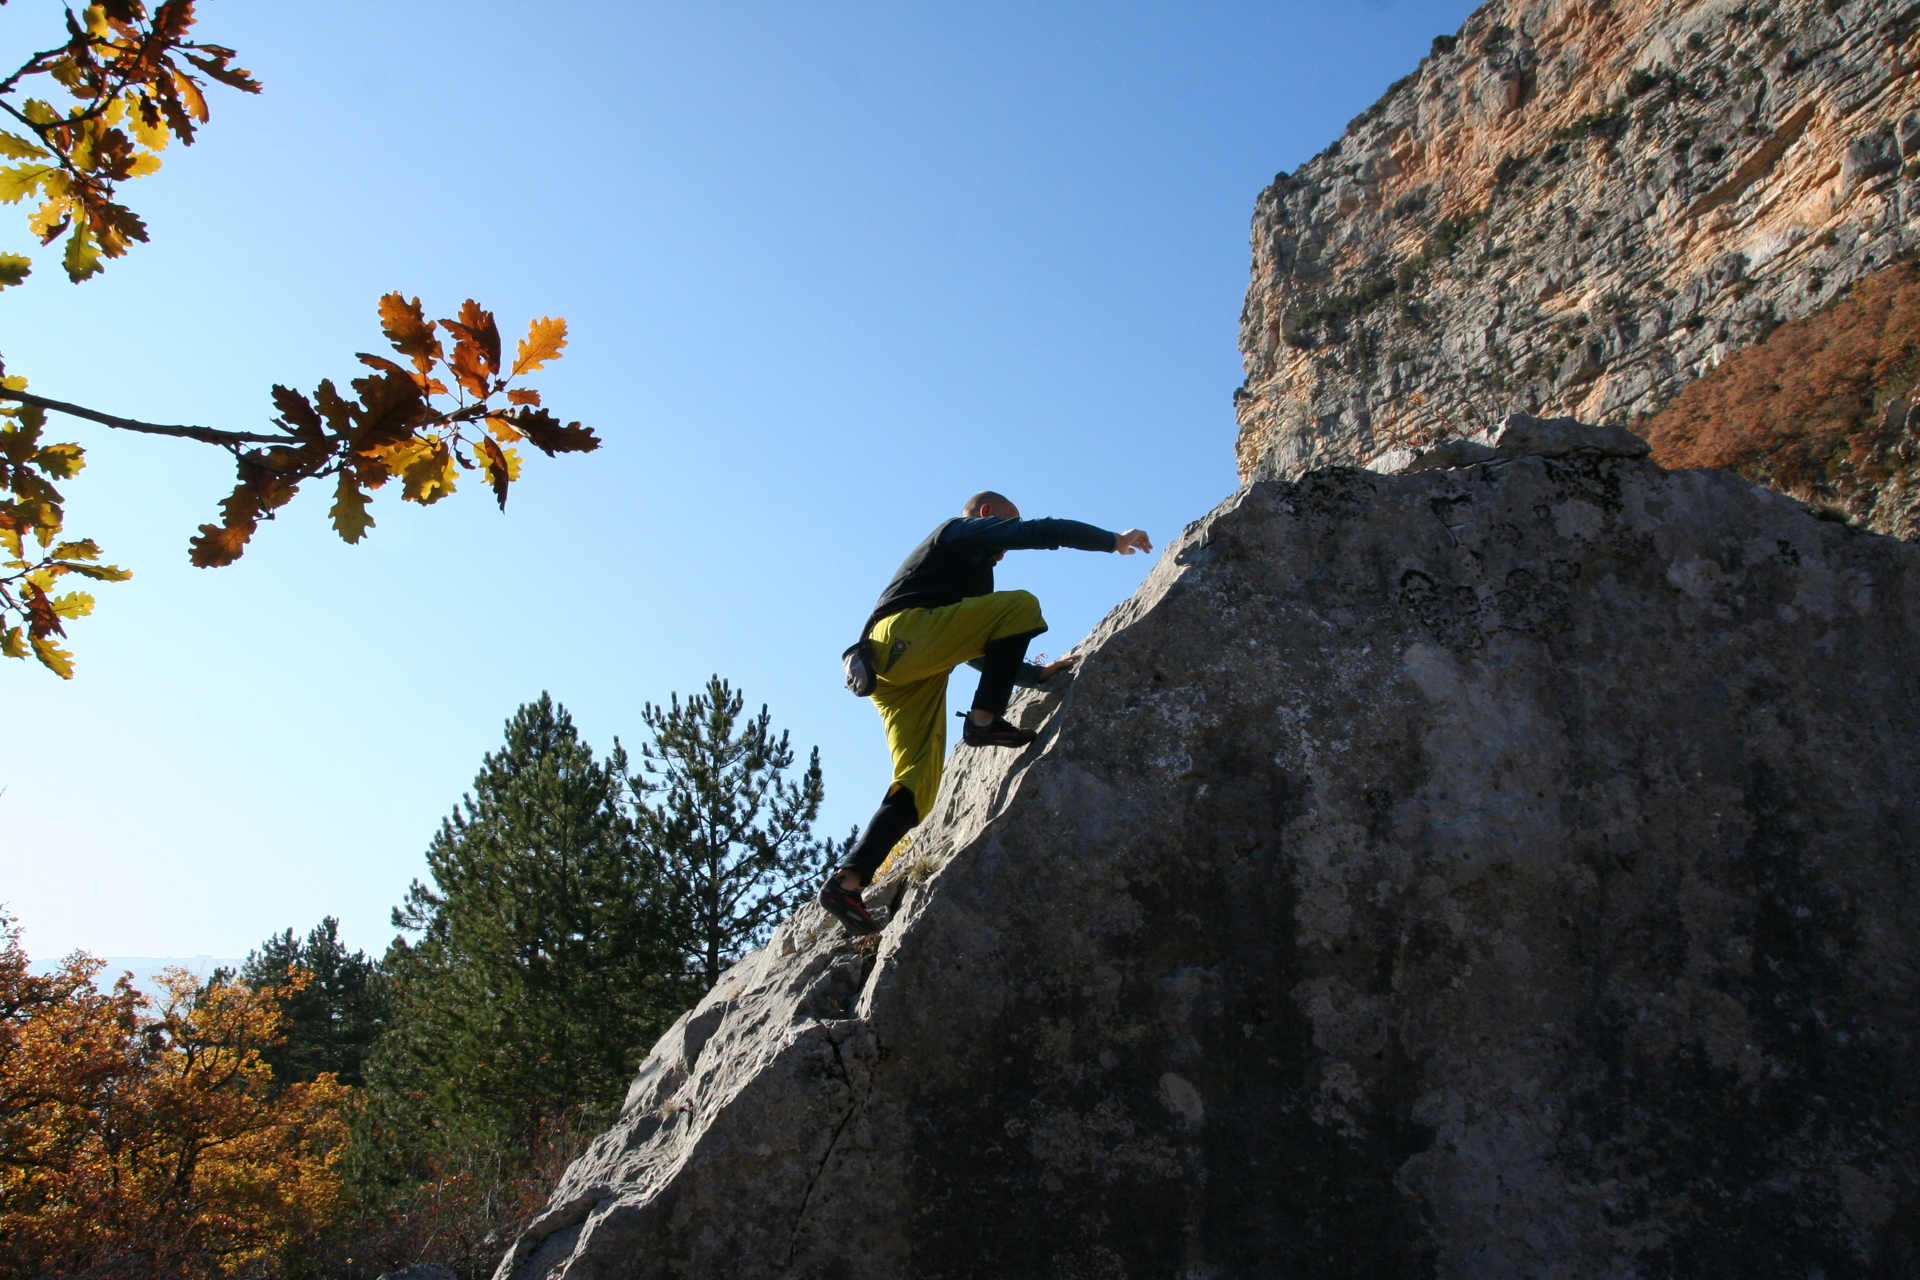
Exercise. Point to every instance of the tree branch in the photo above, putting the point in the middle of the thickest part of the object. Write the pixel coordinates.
(208, 435)
(30, 67)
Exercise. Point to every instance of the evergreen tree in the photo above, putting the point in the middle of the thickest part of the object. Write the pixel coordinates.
(734, 834)
(329, 1023)
(543, 969)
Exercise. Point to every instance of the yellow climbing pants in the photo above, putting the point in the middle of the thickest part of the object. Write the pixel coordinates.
(913, 651)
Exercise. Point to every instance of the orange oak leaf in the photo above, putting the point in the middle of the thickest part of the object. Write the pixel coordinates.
(409, 330)
(545, 337)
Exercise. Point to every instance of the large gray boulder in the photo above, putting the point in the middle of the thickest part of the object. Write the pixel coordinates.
(1505, 870)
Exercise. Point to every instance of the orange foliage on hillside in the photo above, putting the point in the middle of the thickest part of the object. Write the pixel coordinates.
(1820, 409)
(143, 1139)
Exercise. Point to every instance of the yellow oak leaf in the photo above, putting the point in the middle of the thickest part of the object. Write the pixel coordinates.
(545, 337)
(190, 95)
(19, 181)
(349, 511)
(14, 268)
(82, 258)
(74, 604)
(14, 147)
(430, 477)
(13, 643)
(99, 572)
(150, 131)
(504, 430)
(398, 457)
(61, 461)
(53, 657)
(50, 220)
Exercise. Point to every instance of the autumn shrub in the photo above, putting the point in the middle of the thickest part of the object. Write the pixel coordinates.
(461, 1206)
(1807, 411)
(143, 1138)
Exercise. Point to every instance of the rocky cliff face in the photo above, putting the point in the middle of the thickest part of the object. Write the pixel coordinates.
(1579, 206)
(1501, 869)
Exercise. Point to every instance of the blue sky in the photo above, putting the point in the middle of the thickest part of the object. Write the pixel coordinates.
(829, 267)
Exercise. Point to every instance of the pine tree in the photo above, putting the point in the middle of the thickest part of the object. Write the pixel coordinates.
(543, 968)
(734, 834)
(330, 1022)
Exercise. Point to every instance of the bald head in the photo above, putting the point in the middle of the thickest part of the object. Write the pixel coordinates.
(988, 503)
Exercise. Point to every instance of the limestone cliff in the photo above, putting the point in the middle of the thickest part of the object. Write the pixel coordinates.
(1501, 869)
(1579, 206)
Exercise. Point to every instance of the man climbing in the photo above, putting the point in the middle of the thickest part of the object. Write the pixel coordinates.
(939, 611)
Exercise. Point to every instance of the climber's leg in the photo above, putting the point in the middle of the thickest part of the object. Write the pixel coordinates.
(986, 725)
(916, 644)
(896, 816)
(999, 663)
(915, 717)
(913, 651)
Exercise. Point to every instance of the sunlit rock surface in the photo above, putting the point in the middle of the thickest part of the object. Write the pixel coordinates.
(1578, 208)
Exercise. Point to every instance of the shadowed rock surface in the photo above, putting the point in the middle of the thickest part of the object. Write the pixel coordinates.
(1499, 870)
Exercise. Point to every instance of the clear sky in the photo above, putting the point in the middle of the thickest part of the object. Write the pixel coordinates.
(829, 268)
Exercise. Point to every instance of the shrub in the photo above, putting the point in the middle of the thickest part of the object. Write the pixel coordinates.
(1806, 409)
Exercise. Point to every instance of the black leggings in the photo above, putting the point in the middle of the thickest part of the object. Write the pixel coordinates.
(895, 817)
(998, 664)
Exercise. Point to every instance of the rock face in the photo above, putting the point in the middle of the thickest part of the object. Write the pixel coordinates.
(1493, 870)
(1576, 206)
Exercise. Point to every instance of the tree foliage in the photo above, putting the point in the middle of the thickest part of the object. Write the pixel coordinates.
(449, 405)
(542, 967)
(574, 907)
(1821, 408)
(332, 1003)
(734, 834)
(144, 1139)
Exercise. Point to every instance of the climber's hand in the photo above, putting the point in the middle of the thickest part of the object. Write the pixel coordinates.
(1131, 541)
(1054, 668)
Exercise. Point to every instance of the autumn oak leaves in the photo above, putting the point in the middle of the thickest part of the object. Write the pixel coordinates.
(397, 430)
(129, 71)
(30, 507)
(134, 98)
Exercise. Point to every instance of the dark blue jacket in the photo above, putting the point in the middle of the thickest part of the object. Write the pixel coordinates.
(956, 560)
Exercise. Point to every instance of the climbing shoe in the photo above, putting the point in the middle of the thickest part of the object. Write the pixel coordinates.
(996, 734)
(844, 905)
